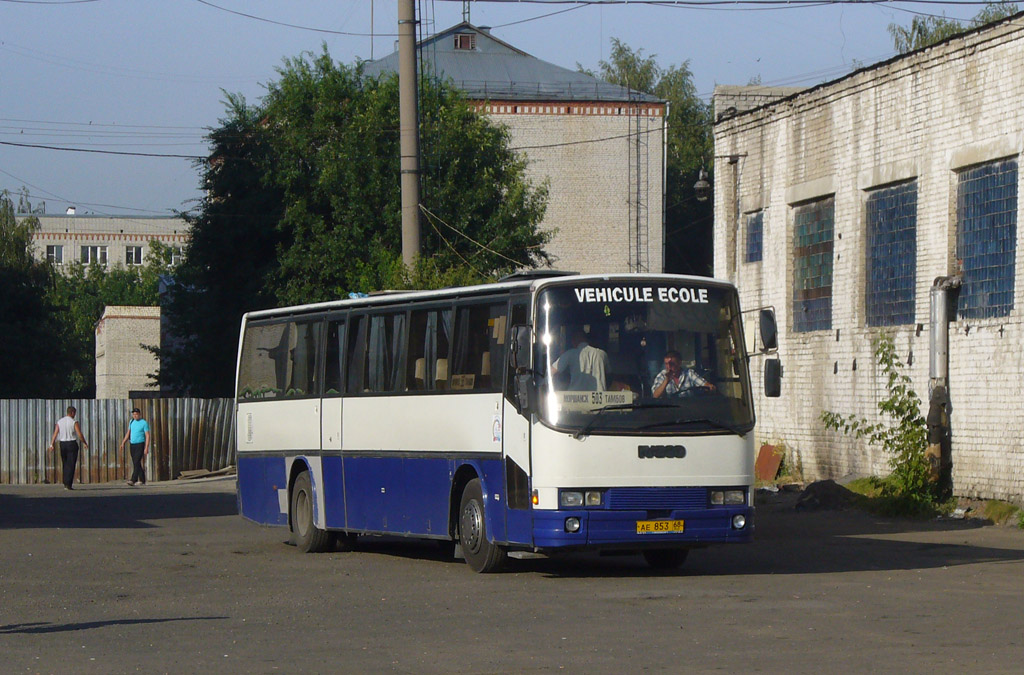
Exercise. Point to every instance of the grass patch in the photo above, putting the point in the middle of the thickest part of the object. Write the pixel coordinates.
(1002, 513)
(876, 496)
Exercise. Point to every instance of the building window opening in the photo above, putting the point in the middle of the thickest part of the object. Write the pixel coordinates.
(133, 255)
(755, 237)
(986, 237)
(465, 41)
(891, 255)
(55, 255)
(814, 224)
(94, 255)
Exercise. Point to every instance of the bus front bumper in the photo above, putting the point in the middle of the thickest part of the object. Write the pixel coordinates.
(601, 529)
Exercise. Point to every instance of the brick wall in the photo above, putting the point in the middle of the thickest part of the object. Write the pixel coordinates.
(122, 365)
(922, 116)
(588, 156)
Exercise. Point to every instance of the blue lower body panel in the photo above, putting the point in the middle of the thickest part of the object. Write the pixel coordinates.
(259, 479)
(390, 495)
(610, 530)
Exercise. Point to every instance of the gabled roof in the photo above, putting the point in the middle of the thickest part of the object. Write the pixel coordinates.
(494, 69)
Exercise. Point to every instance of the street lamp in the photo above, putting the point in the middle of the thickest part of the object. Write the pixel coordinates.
(702, 188)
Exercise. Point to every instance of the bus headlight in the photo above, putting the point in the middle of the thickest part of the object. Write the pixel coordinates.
(570, 499)
(739, 521)
(728, 497)
(593, 498)
(572, 524)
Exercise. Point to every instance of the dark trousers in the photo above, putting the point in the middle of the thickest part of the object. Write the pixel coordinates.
(69, 457)
(139, 474)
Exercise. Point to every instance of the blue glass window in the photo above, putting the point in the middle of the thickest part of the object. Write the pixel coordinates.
(755, 236)
(813, 227)
(986, 237)
(891, 255)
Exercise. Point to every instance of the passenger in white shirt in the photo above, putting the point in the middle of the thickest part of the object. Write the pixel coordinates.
(586, 365)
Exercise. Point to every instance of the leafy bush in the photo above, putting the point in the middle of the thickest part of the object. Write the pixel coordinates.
(903, 437)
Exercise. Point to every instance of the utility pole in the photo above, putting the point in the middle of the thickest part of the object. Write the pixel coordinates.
(409, 133)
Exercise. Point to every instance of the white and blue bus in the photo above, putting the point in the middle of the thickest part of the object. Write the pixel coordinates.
(443, 415)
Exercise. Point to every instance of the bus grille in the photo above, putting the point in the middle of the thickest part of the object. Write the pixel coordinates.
(629, 499)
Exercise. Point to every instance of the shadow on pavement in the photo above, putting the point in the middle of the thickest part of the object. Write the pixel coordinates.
(46, 627)
(102, 507)
(786, 542)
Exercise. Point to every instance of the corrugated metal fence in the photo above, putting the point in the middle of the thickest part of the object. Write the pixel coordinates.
(186, 434)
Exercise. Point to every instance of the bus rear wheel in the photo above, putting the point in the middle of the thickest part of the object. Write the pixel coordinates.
(305, 534)
(666, 558)
(481, 554)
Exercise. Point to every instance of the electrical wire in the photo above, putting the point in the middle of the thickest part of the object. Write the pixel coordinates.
(293, 25)
(430, 214)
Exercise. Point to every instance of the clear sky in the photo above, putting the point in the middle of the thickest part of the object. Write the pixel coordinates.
(147, 76)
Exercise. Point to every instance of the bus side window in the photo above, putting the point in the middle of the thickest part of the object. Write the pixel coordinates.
(479, 349)
(258, 369)
(302, 377)
(356, 352)
(334, 357)
(384, 353)
(427, 359)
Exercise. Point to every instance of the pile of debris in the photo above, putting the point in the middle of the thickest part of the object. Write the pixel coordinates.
(206, 473)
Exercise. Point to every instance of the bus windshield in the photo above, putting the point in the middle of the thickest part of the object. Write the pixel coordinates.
(638, 358)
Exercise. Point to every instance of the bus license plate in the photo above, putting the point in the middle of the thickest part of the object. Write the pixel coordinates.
(659, 526)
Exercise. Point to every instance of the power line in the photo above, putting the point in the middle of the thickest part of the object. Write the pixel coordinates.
(101, 152)
(48, 2)
(293, 25)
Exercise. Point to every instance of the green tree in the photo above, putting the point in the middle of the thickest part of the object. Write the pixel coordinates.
(33, 358)
(688, 222)
(338, 162)
(928, 30)
(231, 261)
(303, 204)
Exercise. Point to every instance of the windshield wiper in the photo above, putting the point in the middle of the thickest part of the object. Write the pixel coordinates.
(585, 429)
(720, 424)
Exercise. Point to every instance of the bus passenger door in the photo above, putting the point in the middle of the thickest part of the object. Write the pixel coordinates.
(516, 448)
(330, 425)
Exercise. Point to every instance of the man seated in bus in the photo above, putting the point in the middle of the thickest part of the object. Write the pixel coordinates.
(585, 364)
(677, 380)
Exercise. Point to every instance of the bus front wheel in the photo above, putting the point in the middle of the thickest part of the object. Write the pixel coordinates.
(305, 534)
(481, 554)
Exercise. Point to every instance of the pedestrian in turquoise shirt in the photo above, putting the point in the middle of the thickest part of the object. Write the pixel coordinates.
(138, 437)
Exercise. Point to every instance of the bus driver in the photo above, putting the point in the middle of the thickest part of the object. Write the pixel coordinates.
(676, 380)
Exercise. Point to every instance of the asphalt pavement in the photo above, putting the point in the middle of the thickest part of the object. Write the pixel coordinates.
(167, 578)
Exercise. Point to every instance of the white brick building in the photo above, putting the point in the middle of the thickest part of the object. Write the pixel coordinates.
(107, 240)
(601, 147)
(123, 365)
(841, 204)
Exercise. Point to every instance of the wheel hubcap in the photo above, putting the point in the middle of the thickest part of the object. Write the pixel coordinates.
(471, 526)
(303, 513)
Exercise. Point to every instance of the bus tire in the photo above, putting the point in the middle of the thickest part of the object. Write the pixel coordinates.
(481, 555)
(666, 558)
(305, 534)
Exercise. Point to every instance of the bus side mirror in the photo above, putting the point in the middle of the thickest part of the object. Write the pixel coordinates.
(769, 330)
(773, 378)
(519, 349)
(524, 391)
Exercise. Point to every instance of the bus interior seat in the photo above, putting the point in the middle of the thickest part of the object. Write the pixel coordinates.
(420, 372)
(485, 370)
(441, 374)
